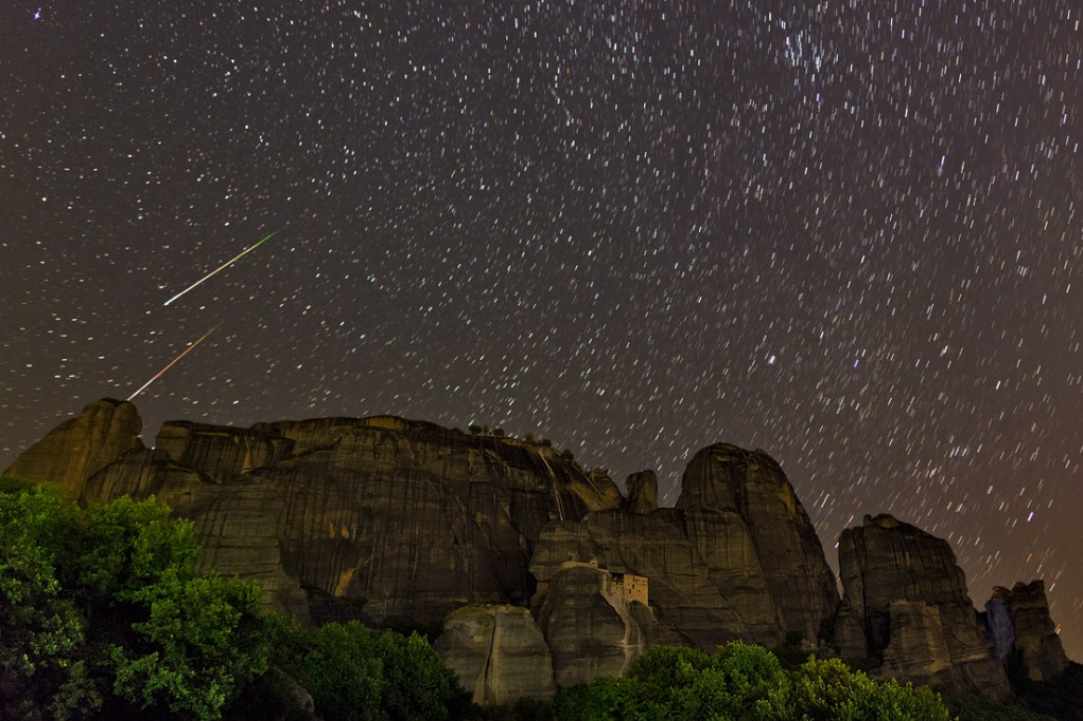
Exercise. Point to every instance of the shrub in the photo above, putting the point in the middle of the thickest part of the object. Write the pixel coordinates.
(357, 674)
(744, 683)
(103, 604)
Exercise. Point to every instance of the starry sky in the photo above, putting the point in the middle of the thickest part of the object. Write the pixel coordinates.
(845, 232)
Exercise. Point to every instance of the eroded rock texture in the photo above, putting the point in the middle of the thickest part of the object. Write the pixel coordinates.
(737, 559)
(79, 447)
(498, 653)
(1026, 637)
(905, 588)
(589, 625)
(745, 498)
(391, 521)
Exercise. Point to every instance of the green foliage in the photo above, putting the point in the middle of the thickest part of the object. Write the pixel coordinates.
(10, 484)
(203, 642)
(41, 657)
(357, 674)
(744, 683)
(104, 602)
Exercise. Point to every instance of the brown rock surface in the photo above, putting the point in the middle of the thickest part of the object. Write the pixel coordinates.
(705, 583)
(918, 649)
(1030, 639)
(80, 446)
(910, 594)
(383, 519)
(498, 653)
(642, 492)
(745, 498)
(589, 626)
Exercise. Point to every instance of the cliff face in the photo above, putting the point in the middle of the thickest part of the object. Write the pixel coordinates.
(906, 609)
(530, 563)
(80, 446)
(1024, 633)
(746, 495)
(387, 520)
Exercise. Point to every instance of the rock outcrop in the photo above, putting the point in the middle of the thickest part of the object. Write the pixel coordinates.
(79, 447)
(1024, 633)
(642, 492)
(541, 573)
(745, 498)
(589, 625)
(391, 521)
(906, 595)
(498, 653)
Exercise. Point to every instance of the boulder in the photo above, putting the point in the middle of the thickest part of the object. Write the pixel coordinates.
(642, 492)
(81, 446)
(910, 596)
(589, 625)
(1026, 637)
(498, 653)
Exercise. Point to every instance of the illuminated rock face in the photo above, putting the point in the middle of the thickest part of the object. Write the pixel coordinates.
(391, 521)
(906, 596)
(747, 494)
(498, 653)
(80, 446)
(535, 568)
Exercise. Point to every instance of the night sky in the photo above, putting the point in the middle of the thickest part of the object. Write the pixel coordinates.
(845, 232)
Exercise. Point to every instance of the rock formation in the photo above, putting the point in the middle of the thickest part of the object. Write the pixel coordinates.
(906, 605)
(589, 625)
(498, 653)
(537, 568)
(1024, 634)
(79, 447)
(642, 492)
(382, 519)
(745, 498)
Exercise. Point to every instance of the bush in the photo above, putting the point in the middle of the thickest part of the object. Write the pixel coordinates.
(357, 674)
(744, 683)
(103, 605)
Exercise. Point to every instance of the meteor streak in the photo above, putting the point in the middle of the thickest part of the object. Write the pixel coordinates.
(222, 267)
(173, 362)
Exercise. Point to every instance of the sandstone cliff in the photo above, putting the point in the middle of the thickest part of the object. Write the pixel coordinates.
(906, 610)
(498, 653)
(81, 446)
(1024, 633)
(524, 559)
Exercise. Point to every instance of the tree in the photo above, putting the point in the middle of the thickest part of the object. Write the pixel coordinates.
(104, 603)
(357, 674)
(42, 633)
(743, 682)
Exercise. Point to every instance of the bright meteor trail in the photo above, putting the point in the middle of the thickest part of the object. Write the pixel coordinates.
(173, 362)
(222, 267)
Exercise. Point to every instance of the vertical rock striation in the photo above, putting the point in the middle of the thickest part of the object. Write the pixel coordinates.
(745, 498)
(905, 593)
(498, 653)
(589, 626)
(1025, 635)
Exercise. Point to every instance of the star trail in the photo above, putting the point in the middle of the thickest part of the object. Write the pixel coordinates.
(845, 232)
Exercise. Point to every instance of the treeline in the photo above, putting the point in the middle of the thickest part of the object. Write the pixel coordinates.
(104, 615)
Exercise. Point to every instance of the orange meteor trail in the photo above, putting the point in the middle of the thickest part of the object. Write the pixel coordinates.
(173, 362)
